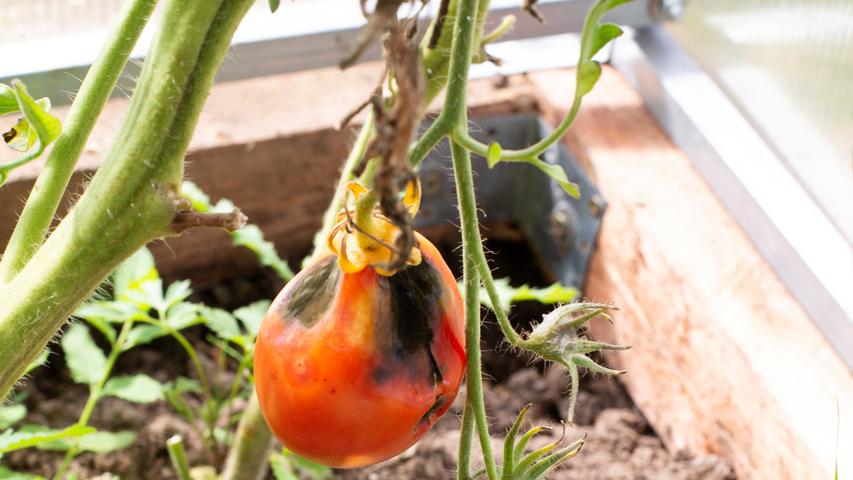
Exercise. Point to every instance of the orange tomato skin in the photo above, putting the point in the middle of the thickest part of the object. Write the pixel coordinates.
(352, 369)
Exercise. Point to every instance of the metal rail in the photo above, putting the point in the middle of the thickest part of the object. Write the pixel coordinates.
(300, 36)
(810, 255)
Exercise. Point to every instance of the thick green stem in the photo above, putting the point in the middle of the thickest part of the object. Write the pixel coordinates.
(97, 87)
(248, 457)
(132, 198)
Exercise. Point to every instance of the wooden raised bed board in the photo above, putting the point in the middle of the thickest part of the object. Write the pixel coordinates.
(724, 360)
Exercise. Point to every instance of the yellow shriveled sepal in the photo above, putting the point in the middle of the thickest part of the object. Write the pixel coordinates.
(372, 245)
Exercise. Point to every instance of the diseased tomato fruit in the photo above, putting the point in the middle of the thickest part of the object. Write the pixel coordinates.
(353, 363)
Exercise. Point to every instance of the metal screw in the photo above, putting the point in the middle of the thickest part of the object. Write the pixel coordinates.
(667, 10)
(562, 227)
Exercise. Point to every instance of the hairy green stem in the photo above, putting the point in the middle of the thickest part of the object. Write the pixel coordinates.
(466, 436)
(132, 198)
(489, 282)
(471, 242)
(97, 87)
(460, 135)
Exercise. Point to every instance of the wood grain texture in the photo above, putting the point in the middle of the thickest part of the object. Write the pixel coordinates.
(723, 359)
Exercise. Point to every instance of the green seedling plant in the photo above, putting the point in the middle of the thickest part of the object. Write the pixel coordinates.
(136, 197)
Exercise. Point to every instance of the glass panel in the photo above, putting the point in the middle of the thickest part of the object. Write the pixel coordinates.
(788, 64)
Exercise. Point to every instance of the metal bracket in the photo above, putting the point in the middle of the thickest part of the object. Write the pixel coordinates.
(561, 230)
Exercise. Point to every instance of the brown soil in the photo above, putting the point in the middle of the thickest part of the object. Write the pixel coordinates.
(619, 442)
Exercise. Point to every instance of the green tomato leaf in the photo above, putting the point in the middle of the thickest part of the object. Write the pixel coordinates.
(177, 293)
(11, 414)
(594, 37)
(222, 323)
(135, 388)
(252, 238)
(6, 474)
(274, 5)
(147, 295)
(47, 126)
(31, 437)
(85, 359)
(21, 137)
(133, 272)
(36, 124)
(184, 315)
(106, 442)
(8, 100)
(142, 334)
(107, 311)
(508, 295)
(252, 315)
(557, 173)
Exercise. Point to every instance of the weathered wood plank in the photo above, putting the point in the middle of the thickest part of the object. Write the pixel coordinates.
(724, 359)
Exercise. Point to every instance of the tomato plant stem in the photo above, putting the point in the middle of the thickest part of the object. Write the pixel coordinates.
(132, 198)
(466, 435)
(38, 213)
(471, 279)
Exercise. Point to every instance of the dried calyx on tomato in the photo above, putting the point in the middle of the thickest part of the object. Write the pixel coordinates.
(355, 361)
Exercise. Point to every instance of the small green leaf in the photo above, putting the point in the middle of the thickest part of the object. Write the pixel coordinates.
(21, 137)
(199, 200)
(11, 414)
(594, 37)
(252, 238)
(252, 315)
(222, 323)
(134, 271)
(8, 100)
(557, 173)
(135, 388)
(183, 315)
(47, 126)
(105, 442)
(10, 440)
(142, 334)
(6, 474)
(494, 154)
(112, 312)
(147, 295)
(39, 361)
(85, 359)
(508, 295)
(177, 293)
(274, 5)
(281, 468)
